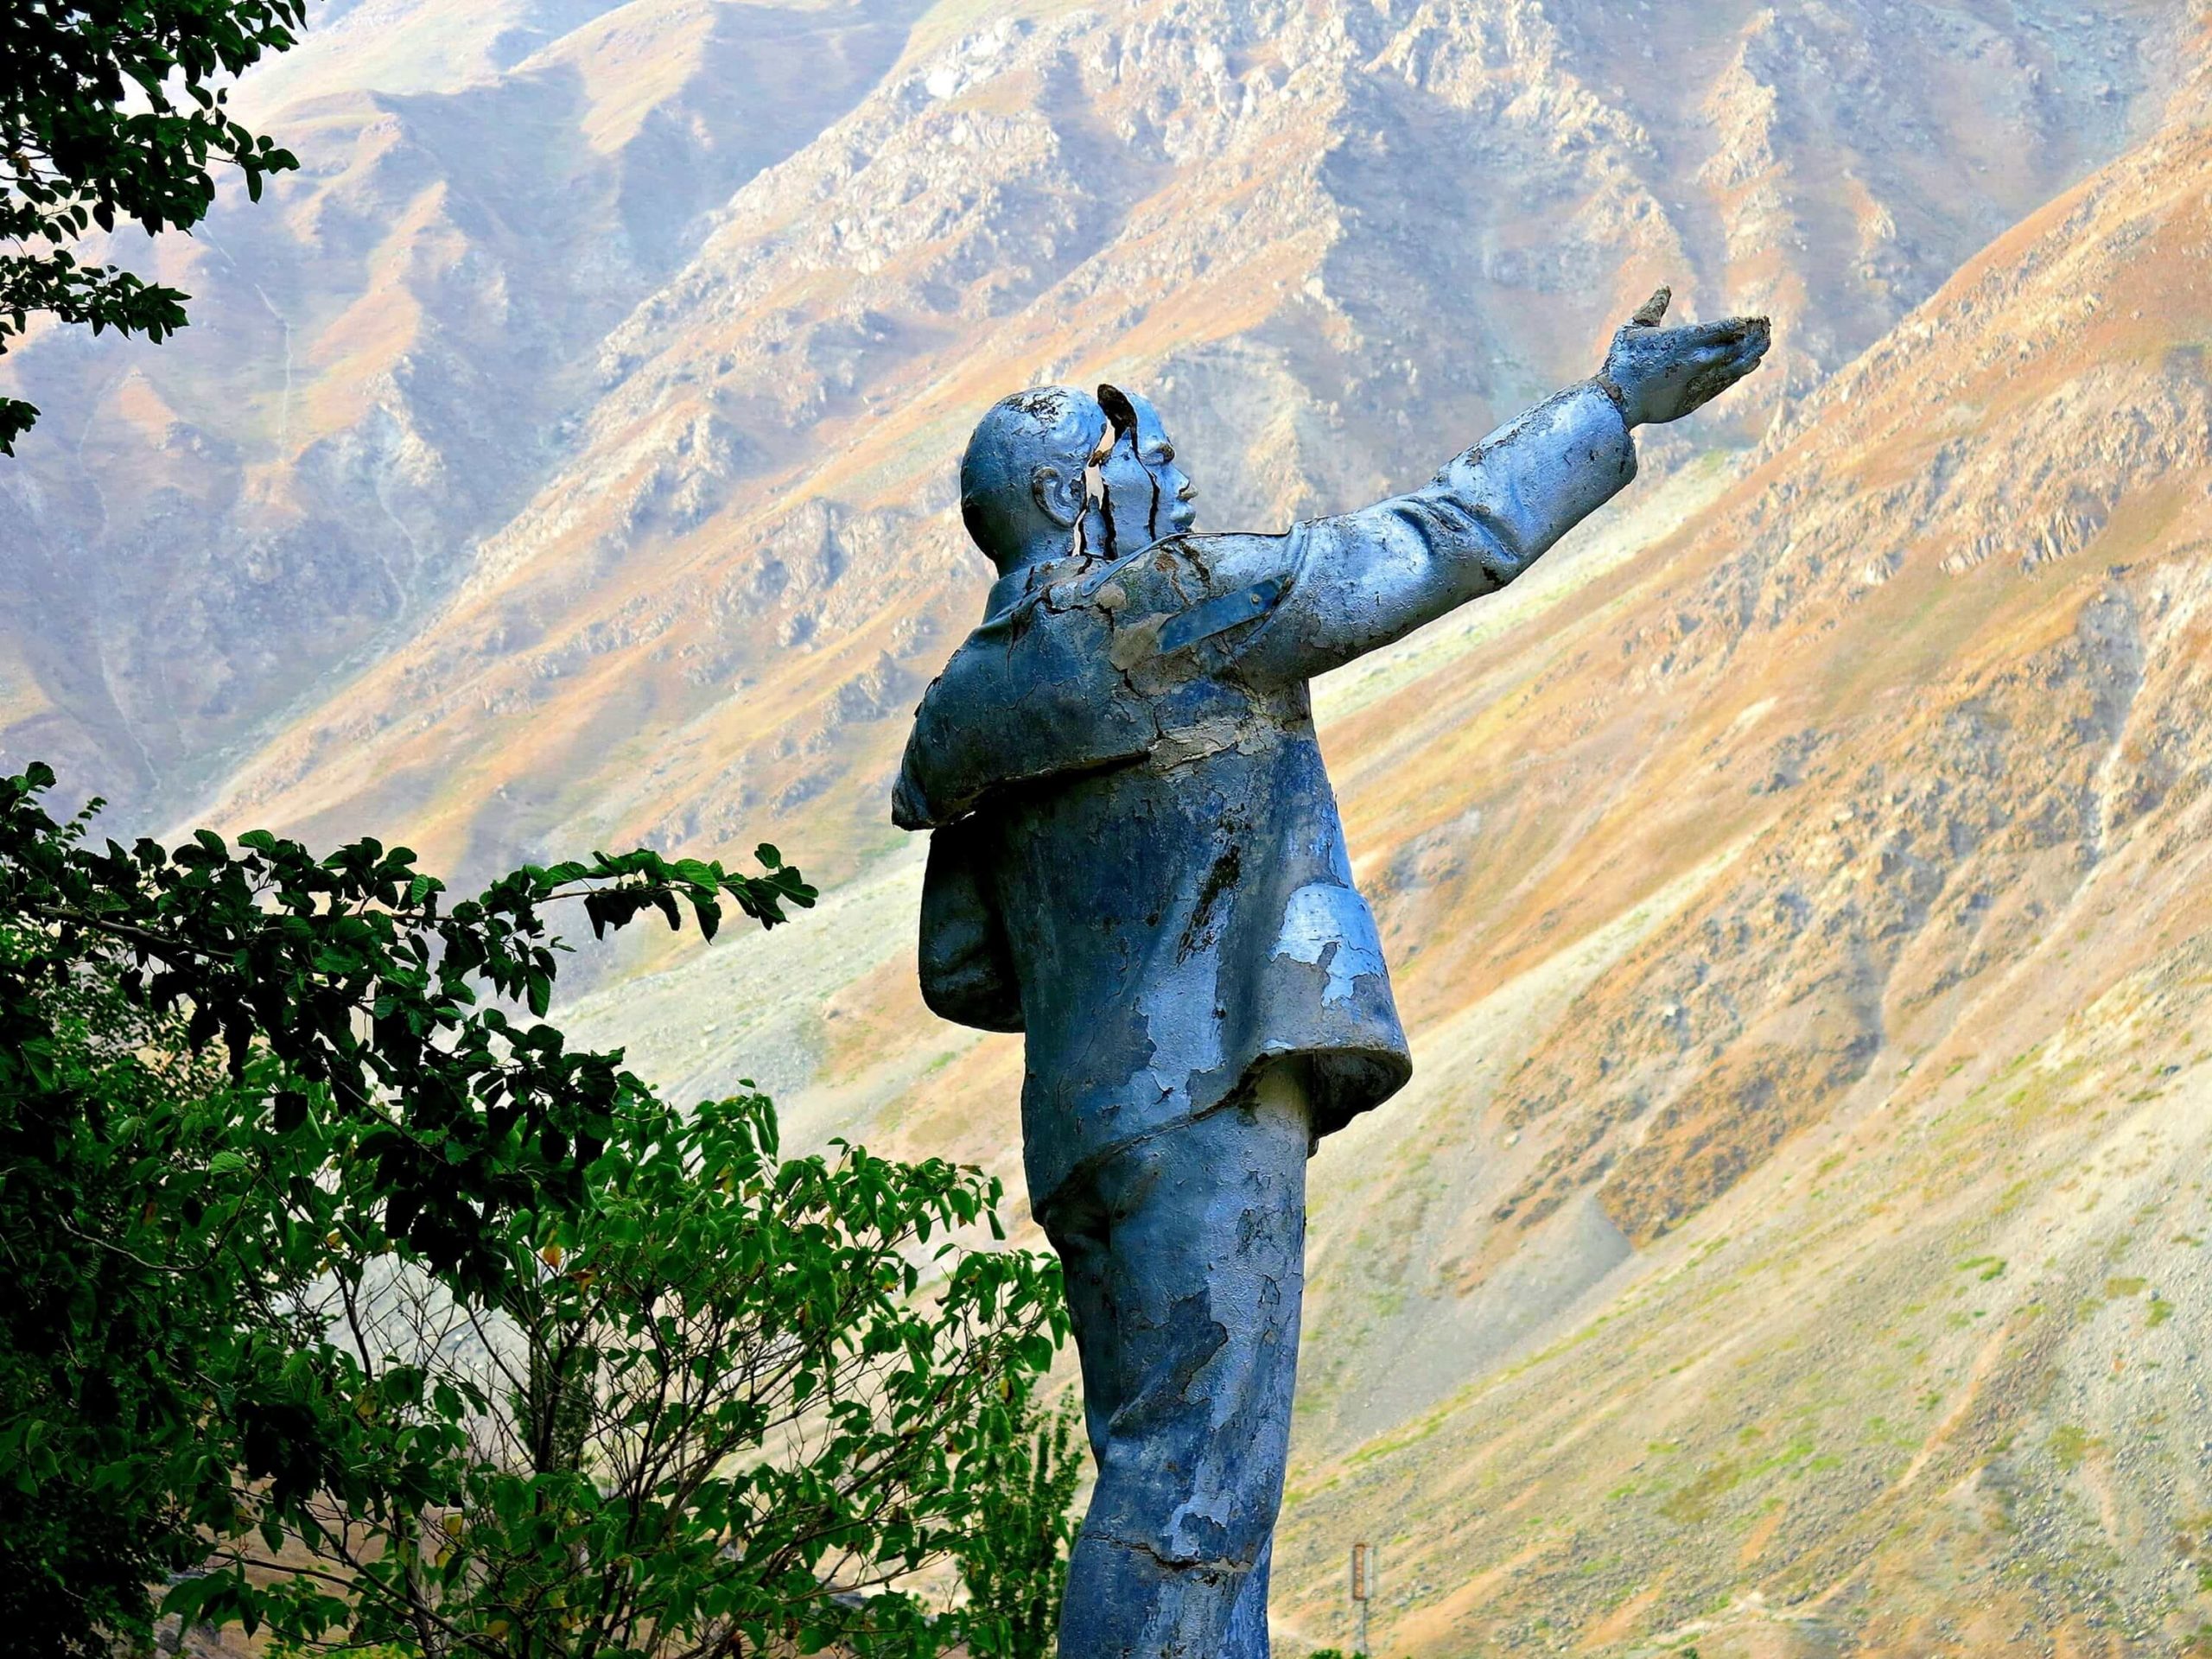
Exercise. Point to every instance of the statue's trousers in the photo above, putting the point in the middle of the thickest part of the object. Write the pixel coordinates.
(1184, 1259)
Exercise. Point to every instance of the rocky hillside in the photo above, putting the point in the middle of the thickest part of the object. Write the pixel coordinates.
(1811, 1149)
(1794, 1241)
(567, 453)
(387, 358)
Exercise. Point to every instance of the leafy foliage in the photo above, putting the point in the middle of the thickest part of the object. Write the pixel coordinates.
(364, 986)
(368, 1311)
(1016, 1566)
(113, 110)
(716, 1403)
(145, 1351)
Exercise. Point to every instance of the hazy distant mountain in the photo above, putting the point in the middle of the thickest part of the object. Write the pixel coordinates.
(605, 354)
(1794, 1241)
(387, 360)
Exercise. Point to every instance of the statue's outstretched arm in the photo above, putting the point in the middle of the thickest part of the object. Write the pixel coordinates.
(1363, 579)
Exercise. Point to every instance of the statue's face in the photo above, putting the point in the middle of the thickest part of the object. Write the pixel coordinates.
(1143, 485)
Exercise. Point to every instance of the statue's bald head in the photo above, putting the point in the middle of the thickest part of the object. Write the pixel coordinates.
(1021, 478)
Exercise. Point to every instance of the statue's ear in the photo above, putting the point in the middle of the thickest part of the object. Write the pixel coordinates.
(1055, 495)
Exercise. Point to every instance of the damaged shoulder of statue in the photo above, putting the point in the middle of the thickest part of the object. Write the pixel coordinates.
(1182, 594)
(1091, 668)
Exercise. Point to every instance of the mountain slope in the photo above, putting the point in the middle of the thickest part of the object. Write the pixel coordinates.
(1824, 1115)
(387, 356)
(1793, 1240)
(507, 566)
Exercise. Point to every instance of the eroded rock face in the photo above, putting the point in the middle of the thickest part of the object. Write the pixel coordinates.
(1919, 849)
(499, 411)
(389, 357)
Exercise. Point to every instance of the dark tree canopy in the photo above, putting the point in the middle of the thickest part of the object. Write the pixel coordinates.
(349, 1301)
(111, 111)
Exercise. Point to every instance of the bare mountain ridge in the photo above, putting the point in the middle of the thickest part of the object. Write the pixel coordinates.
(1238, 205)
(391, 354)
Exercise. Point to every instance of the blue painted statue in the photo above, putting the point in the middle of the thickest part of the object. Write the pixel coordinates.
(1137, 863)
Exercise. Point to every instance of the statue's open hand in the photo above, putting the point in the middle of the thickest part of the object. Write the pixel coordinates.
(1661, 374)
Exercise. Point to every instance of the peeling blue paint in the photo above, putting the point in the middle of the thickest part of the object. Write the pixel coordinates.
(1331, 927)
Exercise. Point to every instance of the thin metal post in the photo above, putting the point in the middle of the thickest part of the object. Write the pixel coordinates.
(1362, 1587)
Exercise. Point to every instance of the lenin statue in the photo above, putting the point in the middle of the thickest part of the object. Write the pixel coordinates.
(1136, 861)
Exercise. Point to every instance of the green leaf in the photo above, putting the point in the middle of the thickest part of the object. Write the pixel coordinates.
(426, 1143)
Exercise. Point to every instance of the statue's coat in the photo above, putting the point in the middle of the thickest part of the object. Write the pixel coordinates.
(1137, 858)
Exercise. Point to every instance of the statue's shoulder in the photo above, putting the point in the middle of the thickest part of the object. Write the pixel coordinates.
(1066, 676)
(1187, 589)
(1179, 571)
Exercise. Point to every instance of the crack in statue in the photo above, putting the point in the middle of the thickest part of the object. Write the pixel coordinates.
(1136, 861)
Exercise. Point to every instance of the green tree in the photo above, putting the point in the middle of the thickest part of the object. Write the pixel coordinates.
(1015, 1566)
(113, 110)
(733, 1398)
(360, 1302)
(109, 1181)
